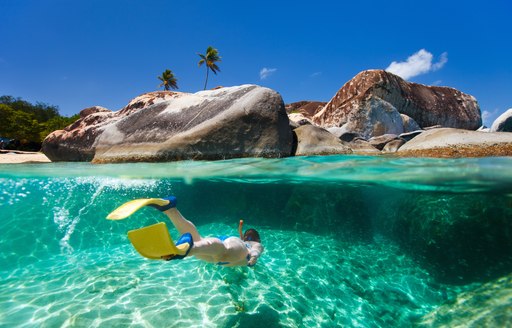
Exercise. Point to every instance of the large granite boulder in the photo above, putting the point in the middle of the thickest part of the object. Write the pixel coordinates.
(447, 142)
(313, 140)
(306, 108)
(503, 123)
(409, 124)
(371, 103)
(77, 141)
(231, 122)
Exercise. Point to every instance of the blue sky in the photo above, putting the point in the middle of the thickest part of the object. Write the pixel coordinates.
(80, 53)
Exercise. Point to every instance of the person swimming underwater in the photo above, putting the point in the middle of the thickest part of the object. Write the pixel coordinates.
(227, 251)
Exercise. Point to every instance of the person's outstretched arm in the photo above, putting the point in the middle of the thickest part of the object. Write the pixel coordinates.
(255, 253)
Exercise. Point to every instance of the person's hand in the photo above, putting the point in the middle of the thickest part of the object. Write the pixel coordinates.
(252, 261)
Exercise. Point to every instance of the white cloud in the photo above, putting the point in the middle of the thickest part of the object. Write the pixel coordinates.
(316, 74)
(417, 64)
(486, 115)
(266, 72)
(489, 116)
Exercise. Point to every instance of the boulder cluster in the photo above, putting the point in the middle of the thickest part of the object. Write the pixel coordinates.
(375, 112)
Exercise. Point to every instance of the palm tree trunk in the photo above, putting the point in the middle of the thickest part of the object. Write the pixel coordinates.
(206, 81)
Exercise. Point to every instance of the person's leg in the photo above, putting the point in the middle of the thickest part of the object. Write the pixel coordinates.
(182, 225)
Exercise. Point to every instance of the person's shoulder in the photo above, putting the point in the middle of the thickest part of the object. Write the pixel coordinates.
(256, 245)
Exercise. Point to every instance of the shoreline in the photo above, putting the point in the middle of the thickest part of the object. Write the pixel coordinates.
(22, 157)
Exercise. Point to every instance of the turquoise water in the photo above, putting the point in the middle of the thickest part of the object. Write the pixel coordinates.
(349, 241)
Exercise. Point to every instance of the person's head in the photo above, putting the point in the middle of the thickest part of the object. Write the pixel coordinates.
(252, 235)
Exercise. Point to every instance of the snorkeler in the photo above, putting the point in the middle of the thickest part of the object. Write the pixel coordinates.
(227, 251)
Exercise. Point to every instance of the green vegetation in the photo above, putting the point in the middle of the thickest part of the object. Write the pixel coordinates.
(28, 124)
(210, 58)
(168, 79)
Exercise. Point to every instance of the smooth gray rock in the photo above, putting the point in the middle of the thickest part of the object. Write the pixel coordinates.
(407, 136)
(361, 146)
(76, 142)
(313, 140)
(242, 121)
(380, 141)
(448, 142)
(297, 119)
(444, 137)
(409, 124)
(393, 145)
(503, 123)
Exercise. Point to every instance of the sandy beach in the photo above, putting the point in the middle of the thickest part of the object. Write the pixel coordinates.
(18, 157)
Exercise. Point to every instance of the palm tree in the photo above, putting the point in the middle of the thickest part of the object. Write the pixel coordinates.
(169, 81)
(211, 56)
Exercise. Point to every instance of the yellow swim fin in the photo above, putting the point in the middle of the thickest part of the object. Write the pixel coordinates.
(154, 242)
(128, 208)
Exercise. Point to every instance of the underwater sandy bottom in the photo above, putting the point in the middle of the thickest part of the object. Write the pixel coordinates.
(302, 279)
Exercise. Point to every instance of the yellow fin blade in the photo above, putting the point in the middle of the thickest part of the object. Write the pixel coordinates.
(154, 241)
(128, 208)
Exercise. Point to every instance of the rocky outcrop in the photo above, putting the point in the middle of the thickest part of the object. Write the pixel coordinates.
(76, 142)
(312, 140)
(446, 142)
(297, 119)
(371, 104)
(376, 112)
(449, 235)
(488, 305)
(226, 123)
(503, 123)
(409, 124)
(306, 108)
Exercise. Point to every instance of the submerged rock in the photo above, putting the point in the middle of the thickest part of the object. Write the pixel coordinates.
(243, 121)
(461, 238)
(489, 305)
(371, 104)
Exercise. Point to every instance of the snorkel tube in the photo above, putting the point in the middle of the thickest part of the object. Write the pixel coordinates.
(240, 226)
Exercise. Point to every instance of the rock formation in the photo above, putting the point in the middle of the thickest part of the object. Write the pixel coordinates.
(306, 108)
(446, 142)
(375, 112)
(488, 305)
(77, 141)
(312, 140)
(231, 122)
(372, 102)
(503, 123)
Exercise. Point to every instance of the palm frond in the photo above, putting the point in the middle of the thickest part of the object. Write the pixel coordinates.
(168, 80)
